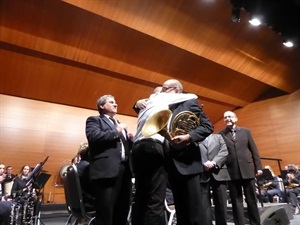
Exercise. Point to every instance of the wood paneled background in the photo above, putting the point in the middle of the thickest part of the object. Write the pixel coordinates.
(31, 130)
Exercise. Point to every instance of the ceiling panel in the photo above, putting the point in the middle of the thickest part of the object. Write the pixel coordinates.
(71, 52)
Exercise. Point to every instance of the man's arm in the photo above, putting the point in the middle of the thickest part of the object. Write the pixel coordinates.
(221, 157)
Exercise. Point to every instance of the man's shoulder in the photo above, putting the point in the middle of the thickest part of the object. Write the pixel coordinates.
(98, 117)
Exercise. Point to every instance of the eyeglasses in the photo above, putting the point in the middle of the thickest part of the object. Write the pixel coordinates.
(165, 89)
(229, 117)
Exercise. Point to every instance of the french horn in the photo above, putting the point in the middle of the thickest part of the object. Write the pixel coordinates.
(183, 123)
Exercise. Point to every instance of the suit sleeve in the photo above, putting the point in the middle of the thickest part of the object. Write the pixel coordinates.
(205, 128)
(221, 157)
(254, 152)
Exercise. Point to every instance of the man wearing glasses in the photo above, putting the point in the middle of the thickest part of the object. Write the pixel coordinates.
(183, 164)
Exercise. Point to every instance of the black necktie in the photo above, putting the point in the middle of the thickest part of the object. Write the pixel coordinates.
(113, 120)
(123, 140)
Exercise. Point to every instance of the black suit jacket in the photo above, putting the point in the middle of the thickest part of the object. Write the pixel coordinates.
(243, 160)
(104, 146)
(188, 160)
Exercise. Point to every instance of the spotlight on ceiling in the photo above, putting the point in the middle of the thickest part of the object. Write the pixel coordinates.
(255, 21)
(288, 43)
(235, 14)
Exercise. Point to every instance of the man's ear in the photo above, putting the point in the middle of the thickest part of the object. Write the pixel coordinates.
(101, 107)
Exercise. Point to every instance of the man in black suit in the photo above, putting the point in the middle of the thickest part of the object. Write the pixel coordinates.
(110, 174)
(183, 159)
(214, 153)
(243, 164)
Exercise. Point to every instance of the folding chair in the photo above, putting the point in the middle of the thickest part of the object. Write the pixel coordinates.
(170, 214)
(74, 199)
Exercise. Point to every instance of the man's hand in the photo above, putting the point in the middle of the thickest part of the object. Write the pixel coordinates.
(180, 141)
(121, 126)
(259, 172)
(142, 103)
(209, 164)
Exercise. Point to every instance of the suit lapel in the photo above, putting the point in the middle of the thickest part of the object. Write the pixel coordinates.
(108, 122)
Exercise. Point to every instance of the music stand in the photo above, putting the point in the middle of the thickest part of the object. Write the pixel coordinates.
(35, 172)
(266, 175)
(37, 180)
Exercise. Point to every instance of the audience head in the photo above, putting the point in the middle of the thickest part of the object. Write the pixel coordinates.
(106, 104)
(172, 86)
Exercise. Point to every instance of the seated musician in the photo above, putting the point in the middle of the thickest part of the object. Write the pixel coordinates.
(83, 172)
(292, 184)
(19, 186)
(272, 187)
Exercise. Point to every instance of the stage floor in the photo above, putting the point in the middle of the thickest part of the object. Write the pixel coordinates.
(56, 214)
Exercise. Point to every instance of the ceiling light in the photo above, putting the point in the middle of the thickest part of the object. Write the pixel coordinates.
(288, 43)
(255, 21)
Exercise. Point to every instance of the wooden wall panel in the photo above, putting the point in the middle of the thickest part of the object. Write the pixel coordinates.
(275, 126)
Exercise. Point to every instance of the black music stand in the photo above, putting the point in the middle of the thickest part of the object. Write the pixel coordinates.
(266, 175)
(38, 180)
(35, 172)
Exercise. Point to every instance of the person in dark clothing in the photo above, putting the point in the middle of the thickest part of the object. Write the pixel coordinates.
(5, 209)
(109, 171)
(83, 172)
(243, 165)
(19, 186)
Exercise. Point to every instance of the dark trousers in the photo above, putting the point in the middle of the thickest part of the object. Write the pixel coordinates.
(206, 212)
(113, 198)
(236, 195)
(5, 210)
(219, 194)
(220, 197)
(150, 184)
(187, 195)
(292, 196)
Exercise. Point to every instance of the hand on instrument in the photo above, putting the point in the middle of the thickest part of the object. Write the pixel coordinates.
(180, 141)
